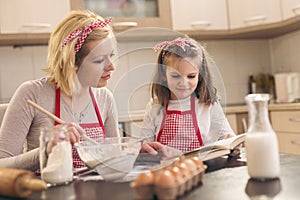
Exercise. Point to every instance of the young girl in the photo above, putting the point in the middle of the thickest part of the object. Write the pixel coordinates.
(184, 111)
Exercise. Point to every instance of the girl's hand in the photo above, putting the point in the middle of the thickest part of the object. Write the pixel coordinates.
(236, 151)
(155, 148)
(228, 136)
(152, 147)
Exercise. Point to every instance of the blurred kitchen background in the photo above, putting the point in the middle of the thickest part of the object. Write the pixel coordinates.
(245, 37)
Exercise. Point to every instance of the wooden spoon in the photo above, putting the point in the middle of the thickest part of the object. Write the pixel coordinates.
(52, 116)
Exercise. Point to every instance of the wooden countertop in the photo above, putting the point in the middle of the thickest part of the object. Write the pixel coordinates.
(221, 174)
(272, 107)
(133, 116)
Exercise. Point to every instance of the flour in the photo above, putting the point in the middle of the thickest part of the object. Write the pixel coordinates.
(59, 167)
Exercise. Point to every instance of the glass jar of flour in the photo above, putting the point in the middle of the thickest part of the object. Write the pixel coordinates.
(56, 163)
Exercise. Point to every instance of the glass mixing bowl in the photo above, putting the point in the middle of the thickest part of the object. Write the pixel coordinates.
(112, 158)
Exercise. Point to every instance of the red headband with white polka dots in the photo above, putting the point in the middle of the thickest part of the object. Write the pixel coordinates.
(83, 32)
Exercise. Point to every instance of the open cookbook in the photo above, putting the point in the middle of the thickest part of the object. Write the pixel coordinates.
(219, 148)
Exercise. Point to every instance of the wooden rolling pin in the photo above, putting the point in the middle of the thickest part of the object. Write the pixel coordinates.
(19, 183)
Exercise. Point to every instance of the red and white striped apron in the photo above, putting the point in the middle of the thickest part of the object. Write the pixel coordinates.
(179, 129)
(93, 130)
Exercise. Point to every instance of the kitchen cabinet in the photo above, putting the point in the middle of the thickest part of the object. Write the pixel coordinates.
(131, 124)
(285, 121)
(232, 119)
(286, 124)
(132, 13)
(19, 65)
(30, 22)
(237, 117)
(290, 8)
(31, 16)
(244, 13)
(226, 19)
(250, 19)
(199, 15)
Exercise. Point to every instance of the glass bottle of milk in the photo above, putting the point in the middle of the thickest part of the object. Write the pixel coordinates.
(261, 142)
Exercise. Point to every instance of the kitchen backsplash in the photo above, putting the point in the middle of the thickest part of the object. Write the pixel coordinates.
(235, 60)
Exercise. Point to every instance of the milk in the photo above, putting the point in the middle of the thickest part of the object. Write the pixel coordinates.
(262, 155)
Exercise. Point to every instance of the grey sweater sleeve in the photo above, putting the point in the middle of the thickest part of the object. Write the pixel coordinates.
(17, 127)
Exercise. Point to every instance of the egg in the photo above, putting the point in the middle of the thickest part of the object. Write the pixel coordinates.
(184, 169)
(176, 171)
(198, 162)
(145, 178)
(190, 165)
(165, 179)
(165, 185)
(201, 167)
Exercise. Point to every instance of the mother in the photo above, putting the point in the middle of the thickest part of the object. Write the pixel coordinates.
(80, 55)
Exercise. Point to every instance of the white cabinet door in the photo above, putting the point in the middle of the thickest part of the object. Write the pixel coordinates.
(290, 8)
(232, 119)
(199, 14)
(27, 16)
(18, 65)
(132, 13)
(244, 13)
(15, 68)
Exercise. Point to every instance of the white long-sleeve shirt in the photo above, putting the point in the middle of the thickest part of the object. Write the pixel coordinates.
(211, 119)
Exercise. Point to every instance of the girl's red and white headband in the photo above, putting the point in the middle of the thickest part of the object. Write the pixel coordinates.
(83, 32)
(181, 42)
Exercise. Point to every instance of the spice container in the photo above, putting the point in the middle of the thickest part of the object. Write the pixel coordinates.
(56, 163)
(251, 84)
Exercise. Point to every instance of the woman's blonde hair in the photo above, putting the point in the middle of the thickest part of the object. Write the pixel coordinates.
(64, 62)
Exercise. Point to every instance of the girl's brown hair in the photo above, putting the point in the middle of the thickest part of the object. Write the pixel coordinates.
(205, 91)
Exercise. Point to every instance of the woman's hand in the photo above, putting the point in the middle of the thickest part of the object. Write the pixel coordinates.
(71, 129)
(74, 131)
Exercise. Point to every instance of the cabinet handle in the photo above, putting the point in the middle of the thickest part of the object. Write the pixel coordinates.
(125, 24)
(295, 142)
(296, 9)
(245, 126)
(256, 18)
(294, 119)
(36, 25)
(200, 25)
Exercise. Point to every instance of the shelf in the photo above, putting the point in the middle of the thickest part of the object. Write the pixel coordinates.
(24, 39)
(255, 32)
